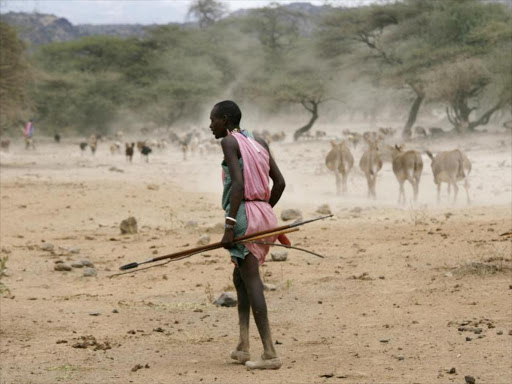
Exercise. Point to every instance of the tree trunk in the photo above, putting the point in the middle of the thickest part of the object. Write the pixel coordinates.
(459, 114)
(314, 111)
(413, 112)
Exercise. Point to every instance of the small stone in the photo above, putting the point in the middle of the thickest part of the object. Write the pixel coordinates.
(94, 313)
(204, 239)
(468, 338)
(279, 255)
(62, 267)
(269, 287)
(137, 367)
(129, 226)
(324, 209)
(191, 224)
(470, 379)
(291, 214)
(448, 274)
(74, 250)
(499, 333)
(115, 311)
(452, 371)
(89, 272)
(400, 358)
(77, 265)
(510, 332)
(62, 341)
(47, 247)
(226, 299)
(86, 263)
(217, 228)
(153, 187)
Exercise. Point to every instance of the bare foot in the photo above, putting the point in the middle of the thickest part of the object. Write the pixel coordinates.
(261, 363)
(240, 356)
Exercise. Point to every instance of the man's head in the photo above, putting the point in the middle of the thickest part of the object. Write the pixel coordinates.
(224, 116)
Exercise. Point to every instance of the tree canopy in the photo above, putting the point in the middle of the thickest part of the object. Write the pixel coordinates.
(405, 57)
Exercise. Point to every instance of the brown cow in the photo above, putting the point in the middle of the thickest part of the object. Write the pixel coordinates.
(340, 161)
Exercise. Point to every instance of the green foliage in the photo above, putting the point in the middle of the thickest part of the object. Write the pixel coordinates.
(207, 12)
(456, 53)
(3, 287)
(15, 76)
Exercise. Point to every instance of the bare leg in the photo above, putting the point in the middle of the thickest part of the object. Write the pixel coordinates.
(344, 180)
(244, 311)
(438, 193)
(249, 272)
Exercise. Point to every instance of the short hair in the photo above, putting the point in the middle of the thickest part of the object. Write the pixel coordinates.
(229, 109)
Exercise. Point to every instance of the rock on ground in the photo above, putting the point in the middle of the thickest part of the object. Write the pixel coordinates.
(279, 255)
(291, 214)
(129, 226)
(204, 239)
(226, 299)
(324, 209)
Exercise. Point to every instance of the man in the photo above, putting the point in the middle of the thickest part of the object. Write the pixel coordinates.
(28, 133)
(248, 201)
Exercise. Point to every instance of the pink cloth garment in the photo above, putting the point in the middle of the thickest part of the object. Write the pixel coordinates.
(28, 129)
(260, 215)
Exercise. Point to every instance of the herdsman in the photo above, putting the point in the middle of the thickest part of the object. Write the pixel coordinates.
(248, 201)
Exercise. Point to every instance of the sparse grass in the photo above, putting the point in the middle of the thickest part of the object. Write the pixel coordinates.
(208, 290)
(289, 284)
(487, 259)
(3, 287)
(418, 216)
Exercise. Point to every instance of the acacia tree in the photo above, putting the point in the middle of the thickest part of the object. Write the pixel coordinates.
(476, 74)
(207, 12)
(385, 32)
(277, 30)
(15, 76)
(417, 38)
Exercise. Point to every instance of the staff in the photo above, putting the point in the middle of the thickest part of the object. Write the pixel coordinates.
(245, 238)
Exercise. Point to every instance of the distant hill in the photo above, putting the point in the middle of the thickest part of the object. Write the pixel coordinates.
(39, 29)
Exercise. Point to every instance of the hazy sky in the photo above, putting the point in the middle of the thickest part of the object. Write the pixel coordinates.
(136, 11)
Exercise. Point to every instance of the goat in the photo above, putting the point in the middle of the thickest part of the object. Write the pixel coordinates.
(371, 164)
(340, 161)
(407, 166)
(129, 151)
(450, 167)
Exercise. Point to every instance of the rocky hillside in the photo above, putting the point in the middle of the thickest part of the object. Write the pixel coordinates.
(39, 29)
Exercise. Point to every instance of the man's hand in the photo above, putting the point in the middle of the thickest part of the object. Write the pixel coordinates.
(227, 240)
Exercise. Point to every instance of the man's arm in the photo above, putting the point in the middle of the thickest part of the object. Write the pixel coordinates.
(230, 149)
(278, 183)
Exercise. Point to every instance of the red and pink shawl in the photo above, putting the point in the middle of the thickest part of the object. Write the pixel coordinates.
(259, 213)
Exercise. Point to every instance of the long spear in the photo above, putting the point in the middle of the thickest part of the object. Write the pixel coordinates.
(253, 236)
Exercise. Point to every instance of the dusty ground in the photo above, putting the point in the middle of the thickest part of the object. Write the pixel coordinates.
(404, 294)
